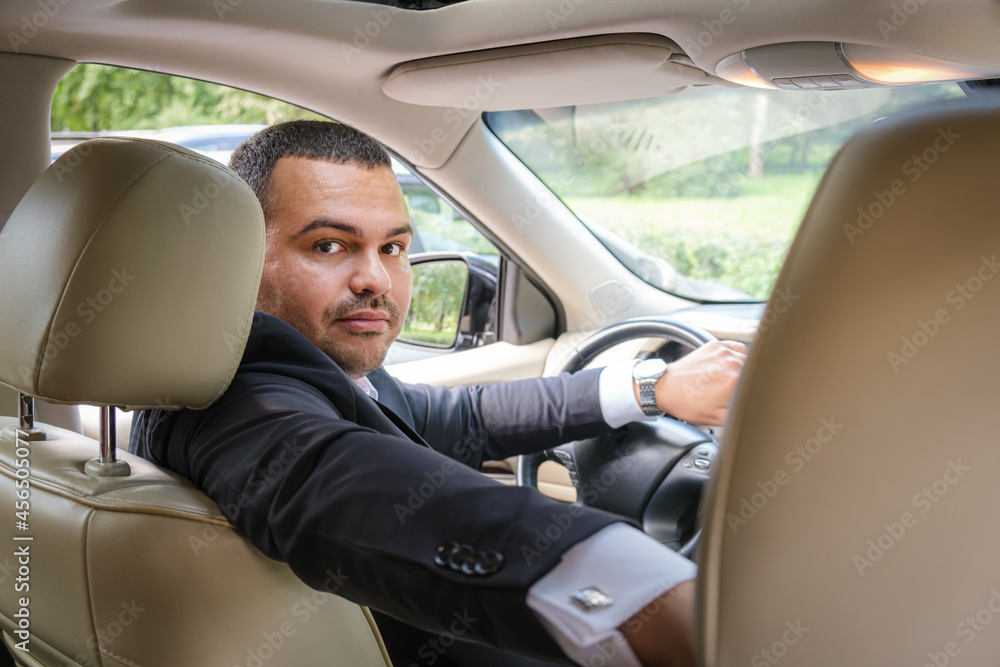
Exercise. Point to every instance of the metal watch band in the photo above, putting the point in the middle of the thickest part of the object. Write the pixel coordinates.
(647, 397)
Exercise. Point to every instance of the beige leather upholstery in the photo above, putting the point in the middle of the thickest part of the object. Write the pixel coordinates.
(142, 569)
(145, 570)
(100, 263)
(853, 517)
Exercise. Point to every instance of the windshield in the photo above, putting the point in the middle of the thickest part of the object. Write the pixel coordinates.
(698, 193)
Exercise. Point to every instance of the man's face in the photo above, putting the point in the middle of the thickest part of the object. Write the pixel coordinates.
(336, 265)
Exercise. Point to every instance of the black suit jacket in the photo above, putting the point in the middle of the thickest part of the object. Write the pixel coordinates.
(320, 476)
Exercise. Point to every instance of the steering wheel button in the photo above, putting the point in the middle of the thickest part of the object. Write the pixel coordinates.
(687, 464)
(704, 464)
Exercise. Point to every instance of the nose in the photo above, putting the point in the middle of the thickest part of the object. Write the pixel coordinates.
(369, 274)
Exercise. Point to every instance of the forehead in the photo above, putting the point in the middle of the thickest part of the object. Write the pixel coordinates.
(304, 189)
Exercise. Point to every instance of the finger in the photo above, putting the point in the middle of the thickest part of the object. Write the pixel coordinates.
(736, 346)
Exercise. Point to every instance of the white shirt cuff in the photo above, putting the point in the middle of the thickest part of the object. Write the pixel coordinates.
(617, 396)
(625, 564)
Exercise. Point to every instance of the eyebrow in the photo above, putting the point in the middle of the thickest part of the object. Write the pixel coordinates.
(354, 230)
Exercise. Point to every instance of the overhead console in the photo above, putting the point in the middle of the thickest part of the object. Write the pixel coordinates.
(840, 66)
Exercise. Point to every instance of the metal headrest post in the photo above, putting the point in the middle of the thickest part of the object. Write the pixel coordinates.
(25, 428)
(107, 464)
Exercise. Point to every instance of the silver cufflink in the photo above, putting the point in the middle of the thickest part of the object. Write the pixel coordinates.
(591, 598)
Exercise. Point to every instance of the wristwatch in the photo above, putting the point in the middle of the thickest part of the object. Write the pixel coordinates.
(646, 373)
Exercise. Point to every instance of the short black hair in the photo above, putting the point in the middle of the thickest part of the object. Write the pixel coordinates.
(254, 159)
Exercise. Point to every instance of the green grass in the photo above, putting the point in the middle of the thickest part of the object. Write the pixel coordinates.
(738, 241)
(433, 337)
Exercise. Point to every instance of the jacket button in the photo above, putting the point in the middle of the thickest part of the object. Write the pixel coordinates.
(489, 562)
(444, 552)
(461, 558)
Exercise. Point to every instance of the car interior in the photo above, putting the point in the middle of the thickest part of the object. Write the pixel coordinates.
(838, 517)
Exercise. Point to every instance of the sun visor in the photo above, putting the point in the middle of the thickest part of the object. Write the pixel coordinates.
(584, 70)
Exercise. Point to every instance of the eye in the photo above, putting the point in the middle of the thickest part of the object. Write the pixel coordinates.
(393, 249)
(327, 247)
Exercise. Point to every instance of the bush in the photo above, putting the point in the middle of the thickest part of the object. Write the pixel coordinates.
(718, 176)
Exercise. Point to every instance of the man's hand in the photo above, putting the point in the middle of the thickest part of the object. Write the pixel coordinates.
(662, 634)
(698, 387)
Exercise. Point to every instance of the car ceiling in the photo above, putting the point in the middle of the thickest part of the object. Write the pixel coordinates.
(314, 53)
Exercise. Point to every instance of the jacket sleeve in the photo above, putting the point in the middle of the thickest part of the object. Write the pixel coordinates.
(384, 514)
(492, 422)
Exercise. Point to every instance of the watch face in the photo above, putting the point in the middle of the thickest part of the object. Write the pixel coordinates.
(648, 369)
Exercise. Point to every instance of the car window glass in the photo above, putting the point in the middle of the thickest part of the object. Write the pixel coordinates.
(700, 192)
(99, 100)
(440, 227)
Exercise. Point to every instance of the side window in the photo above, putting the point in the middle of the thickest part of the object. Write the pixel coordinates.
(98, 100)
(439, 227)
(439, 320)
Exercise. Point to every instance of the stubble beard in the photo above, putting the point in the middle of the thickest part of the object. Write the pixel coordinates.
(356, 361)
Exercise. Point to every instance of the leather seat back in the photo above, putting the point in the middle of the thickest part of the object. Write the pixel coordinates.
(145, 570)
(851, 521)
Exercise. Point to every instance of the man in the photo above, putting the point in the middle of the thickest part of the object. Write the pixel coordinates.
(315, 453)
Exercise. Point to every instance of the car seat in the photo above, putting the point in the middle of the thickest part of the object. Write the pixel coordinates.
(128, 277)
(850, 521)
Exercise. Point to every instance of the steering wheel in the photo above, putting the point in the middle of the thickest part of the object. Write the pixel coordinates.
(650, 471)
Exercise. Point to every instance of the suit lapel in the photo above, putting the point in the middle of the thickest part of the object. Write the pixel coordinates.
(398, 422)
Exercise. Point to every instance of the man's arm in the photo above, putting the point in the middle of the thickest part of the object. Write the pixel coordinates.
(492, 422)
(328, 495)
(480, 423)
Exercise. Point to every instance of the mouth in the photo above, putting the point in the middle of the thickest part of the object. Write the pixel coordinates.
(365, 320)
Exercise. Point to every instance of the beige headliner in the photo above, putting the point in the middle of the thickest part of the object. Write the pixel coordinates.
(313, 53)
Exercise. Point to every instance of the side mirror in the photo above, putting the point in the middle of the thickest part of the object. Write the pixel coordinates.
(453, 304)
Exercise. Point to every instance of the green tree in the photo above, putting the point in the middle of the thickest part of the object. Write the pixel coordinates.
(98, 97)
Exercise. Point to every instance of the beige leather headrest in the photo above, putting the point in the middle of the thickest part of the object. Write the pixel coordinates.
(128, 276)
